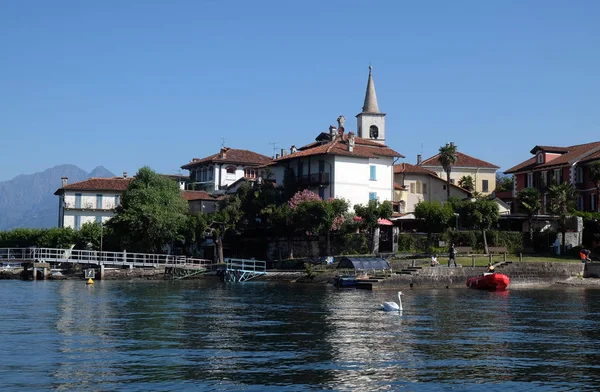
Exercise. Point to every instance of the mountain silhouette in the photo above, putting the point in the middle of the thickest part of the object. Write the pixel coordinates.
(28, 200)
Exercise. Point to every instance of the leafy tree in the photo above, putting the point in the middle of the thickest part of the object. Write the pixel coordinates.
(448, 157)
(467, 183)
(226, 218)
(504, 183)
(370, 214)
(563, 201)
(434, 216)
(152, 213)
(478, 213)
(90, 234)
(529, 198)
(595, 178)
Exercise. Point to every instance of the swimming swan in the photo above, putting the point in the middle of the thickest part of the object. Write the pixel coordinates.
(392, 306)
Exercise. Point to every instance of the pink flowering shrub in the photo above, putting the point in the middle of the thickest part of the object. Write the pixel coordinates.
(302, 196)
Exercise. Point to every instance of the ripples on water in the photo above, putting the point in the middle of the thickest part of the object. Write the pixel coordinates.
(206, 335)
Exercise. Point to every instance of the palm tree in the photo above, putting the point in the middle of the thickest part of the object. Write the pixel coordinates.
(530, 200)
(467, 183)
(448, 157)
(595, 178)
(563, 200)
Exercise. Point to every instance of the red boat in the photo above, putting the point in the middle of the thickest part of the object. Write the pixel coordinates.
(489, 281)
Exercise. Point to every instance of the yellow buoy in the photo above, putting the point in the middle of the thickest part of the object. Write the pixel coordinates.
(90, 281)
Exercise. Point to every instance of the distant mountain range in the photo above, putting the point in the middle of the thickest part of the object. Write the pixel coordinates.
(28, 200)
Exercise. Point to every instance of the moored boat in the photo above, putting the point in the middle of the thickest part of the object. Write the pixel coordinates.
(489, 281)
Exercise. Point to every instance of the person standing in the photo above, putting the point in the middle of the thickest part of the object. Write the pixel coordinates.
(452, 255)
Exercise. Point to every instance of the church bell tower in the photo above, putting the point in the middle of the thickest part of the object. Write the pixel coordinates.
(371, 122)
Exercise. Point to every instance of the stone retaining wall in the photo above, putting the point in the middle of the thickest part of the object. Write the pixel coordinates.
(519, 273)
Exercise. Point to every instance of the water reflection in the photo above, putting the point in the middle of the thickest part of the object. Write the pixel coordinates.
(209, 335)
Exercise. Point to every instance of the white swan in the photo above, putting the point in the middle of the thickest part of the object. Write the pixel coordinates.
(392, 306)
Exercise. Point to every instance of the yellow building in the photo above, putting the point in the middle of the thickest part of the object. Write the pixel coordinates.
(482, 172)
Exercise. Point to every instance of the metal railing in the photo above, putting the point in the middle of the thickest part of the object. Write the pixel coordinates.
(78, 256)
(240, 270)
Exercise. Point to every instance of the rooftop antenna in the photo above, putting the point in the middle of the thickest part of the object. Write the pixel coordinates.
(274, 144)
(222, 142)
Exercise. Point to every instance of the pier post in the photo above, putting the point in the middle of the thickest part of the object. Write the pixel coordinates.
(491, 260)
(520, 257)
(472, 261)
(413, 262)
(101, 271)
(34, 271)
(504, 256)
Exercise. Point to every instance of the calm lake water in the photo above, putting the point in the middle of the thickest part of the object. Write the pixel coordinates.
(208, 335)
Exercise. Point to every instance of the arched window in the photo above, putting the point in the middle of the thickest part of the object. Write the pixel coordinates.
(250, 173)
(373, 132)
(230, 169)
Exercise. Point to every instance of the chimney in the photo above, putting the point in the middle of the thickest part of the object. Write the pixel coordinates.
(283, 152)
(124, 174)
(223, 153)
(64, 181)
(332, 131)
(418, 159)
(350, 141)
(293, 149)
(276, 156)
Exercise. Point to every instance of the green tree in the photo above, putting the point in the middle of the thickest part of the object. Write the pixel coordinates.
(467, 183)
(529, 198)
(369, 216)
(563, 202)
(504, 183)
(152, 213)
(434, 216)
(595, 178)
(480, 213)
(226, 218)
(448, 157)
(90, 234)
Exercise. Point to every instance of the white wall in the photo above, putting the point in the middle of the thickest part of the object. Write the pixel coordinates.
(88, 211)
(352, 179)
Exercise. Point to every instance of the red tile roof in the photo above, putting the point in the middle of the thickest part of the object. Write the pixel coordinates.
(412, 169)
(339, 146)
(583, 152)
(463, 160)
(117, 184)
(231, 155)
(199, 195)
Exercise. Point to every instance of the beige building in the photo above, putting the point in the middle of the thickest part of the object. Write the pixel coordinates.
(414, 184)
(482, 172)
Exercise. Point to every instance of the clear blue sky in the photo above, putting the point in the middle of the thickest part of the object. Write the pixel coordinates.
(131, 83)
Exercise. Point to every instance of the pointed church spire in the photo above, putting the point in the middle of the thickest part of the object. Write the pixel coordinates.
(370, 105)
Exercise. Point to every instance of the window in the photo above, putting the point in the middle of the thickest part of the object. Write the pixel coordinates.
(372, 195)
(230, 169)
(321, 166)
(579, 175)
(484, 185)
(99, 220)
(593, 202)
(117, 200)
(412, 187)
(77, 222)
(556, 176)
(544, 178)
(424, 189)
(540, 158)
(250, 173)
(211, 173)
(373, 173)
(98, 202)
(419, 187)
(373, 132)
(529, 180)
(78, 200)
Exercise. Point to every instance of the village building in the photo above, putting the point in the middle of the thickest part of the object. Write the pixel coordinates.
(92, 200)
(557, 165)
(218, 171)
(483, 173)
(339, 164)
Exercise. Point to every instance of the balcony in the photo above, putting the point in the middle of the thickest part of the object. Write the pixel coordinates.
(315, 179)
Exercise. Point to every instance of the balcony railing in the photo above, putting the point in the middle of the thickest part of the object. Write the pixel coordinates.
(314, 179)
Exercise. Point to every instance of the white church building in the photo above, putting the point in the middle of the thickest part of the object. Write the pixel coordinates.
(340, 164)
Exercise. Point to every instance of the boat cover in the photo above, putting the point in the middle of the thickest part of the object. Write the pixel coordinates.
(364, 263)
